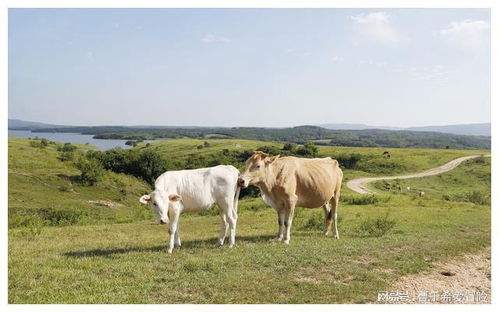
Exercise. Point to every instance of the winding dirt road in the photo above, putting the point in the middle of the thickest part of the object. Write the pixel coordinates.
(360, 185)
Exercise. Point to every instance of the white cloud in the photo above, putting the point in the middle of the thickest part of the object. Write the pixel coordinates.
(468, 34)
(376, 26)
(210, 38)
(337, 58)
(465, 27)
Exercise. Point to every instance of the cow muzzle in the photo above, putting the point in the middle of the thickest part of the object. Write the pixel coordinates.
(243, 183)
(162, 222)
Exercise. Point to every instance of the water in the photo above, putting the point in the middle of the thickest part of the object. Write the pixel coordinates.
(76, 138)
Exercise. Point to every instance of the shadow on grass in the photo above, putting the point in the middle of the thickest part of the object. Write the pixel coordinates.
(194, 244)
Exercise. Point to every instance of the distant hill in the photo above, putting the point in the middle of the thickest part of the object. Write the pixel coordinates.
(17, 124)
(420, 138)
(348, 126)
(463, 129)
(299, 135)
(467, 129)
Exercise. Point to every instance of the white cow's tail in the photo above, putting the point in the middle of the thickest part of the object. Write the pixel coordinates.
(236, 198)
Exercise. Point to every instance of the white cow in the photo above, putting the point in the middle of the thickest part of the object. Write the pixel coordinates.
(195, 190)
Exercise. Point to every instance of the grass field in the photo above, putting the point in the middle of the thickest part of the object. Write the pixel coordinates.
(468, 182)
(118, 255)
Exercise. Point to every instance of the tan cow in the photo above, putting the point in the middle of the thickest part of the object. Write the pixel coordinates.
(286, 182)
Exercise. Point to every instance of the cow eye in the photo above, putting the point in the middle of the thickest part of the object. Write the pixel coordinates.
(257, 166)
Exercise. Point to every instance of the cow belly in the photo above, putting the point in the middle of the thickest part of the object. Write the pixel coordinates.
(197, 204)
(313, 198)
(191, 208)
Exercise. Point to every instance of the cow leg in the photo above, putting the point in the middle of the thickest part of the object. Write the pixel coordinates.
(289, 212)
(327, 218)
(280, 220)
(173, 229)
(334, 215)
(178, 243)
(223, 232)
(231, 216)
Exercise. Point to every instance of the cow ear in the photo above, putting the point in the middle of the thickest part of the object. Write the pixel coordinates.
(270, 160)
(175, 197)
(145, 199)
(261, 154)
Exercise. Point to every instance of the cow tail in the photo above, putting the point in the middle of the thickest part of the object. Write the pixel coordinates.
(236, 198)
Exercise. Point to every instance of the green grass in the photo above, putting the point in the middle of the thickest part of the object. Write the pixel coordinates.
(118, 255)
(127, 263)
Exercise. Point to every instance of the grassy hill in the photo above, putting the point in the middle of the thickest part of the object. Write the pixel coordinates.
(371, 160)
(469, 182)
(84, 248)
(44, 190)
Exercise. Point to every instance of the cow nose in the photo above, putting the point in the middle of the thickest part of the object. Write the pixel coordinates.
(240, 181)
(162, 222)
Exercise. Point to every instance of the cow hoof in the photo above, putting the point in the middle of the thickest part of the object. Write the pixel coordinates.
(169, 251)
(219, 244)
(337, 236)
(231, 245)
(276, 239)
(178, 245)
(286, 241)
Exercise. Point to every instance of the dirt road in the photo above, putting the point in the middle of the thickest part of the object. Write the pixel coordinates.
(360, 185)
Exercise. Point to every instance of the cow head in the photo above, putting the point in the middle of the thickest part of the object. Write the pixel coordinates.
(159, 202)
(256, 169)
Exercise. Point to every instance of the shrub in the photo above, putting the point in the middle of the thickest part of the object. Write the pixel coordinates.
(38, 143)
(149, 165)
(376, 227)
(33, 223)
(91, 170)
(67, 147)
(146, 164)
(360, 199)
(348, 161)
(38, 218)
(478, 198)
(44, 142)
(66, 156)
(271, 150)
(61, 217)
(307, 150)
(314, 222)
(291, 147)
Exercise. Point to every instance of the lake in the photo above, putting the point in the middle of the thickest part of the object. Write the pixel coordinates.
(76, 138)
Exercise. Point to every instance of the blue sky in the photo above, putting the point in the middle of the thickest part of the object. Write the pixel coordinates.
(249, 67)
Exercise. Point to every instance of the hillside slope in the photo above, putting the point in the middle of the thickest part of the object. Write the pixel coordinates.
(44, 189)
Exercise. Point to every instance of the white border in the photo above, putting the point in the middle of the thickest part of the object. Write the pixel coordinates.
(5, 5)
